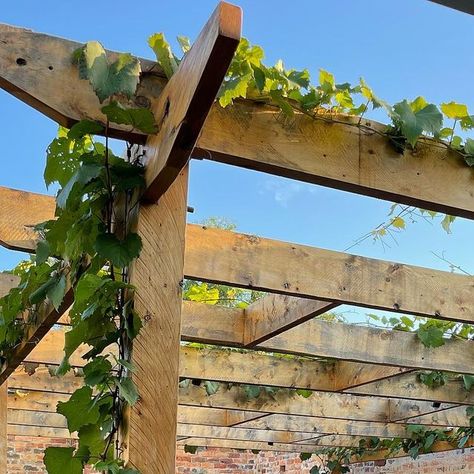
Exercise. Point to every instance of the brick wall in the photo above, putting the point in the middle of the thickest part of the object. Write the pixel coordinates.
(25, 456)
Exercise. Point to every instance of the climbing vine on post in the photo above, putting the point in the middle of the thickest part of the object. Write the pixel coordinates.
(89, 247)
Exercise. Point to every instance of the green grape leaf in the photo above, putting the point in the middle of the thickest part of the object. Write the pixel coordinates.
(80, 410)
(113, 466)
(456, 143)
(468, 381)
(57, 291)
(418, 104)
(326, 81)
(91, 438)
(97, 371)
(119, 252)
(467, 123)
(184, 43)
(126, 364)
(128, 390)
(413, 124)
(233, 88)
(63, 158)
(259, 77)
(42, 251)
(454, 110)
(54, 289)
(190, 449)
(430, 119)
(84, 127)
(469, 146)
(82, 176)
(164, 55)
(431, 336)
(211, 387)
(252, 391)
(446, 223)
(305, 456)
(304, 392)
(133, 325)
(469, 150)
(299, 78)
(61, 460)
(282, 102)
(315, 470)
(120, 77)
(433, 379)
(139, 118)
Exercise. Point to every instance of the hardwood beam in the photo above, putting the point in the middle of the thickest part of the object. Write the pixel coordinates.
(7, 282)
(247, 134)
(20, 212)
(387, 285)
(309, 445)
(272, 370)
(408, 386)
(323, 426)
(232, 366)
(248, 261)
(336, 340)
(219, 325)
(315, 338)
(465, 6)
(37, 69)
(338, 155)
(184, 103)
(34, 377)
(45, 317)
(36, 401)
(243, 445)
(40, 431)
(157, 274)
(288, 402)
(455, 416)
(274, 314)
(401, 410)
(437, 447)
(238, 433)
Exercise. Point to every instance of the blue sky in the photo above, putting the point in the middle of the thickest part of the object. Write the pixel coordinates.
(403, 48)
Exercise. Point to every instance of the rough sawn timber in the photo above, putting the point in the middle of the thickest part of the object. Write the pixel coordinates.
(35, 68)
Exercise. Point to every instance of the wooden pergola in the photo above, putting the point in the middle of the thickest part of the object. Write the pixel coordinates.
(365, 380)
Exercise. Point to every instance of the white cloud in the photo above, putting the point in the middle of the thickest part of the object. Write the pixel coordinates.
(284, 191)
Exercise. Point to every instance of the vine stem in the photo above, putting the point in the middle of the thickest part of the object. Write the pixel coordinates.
(452, 132)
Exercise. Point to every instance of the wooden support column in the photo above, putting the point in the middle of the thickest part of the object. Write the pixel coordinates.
(180, 112)
(157, 275)
(3, 427)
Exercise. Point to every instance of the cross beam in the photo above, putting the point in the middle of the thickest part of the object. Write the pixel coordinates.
(36, 67)
(465, 6)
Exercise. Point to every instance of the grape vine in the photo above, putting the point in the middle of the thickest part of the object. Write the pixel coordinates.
(89, 245)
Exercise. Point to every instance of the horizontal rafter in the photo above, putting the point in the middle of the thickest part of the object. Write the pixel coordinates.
(268, 370)
(254, 262)
(274, 314)
(339, 155)
(248, 261)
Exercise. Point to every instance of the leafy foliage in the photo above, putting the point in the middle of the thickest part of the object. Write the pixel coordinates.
(88, 248)
(119, 77)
